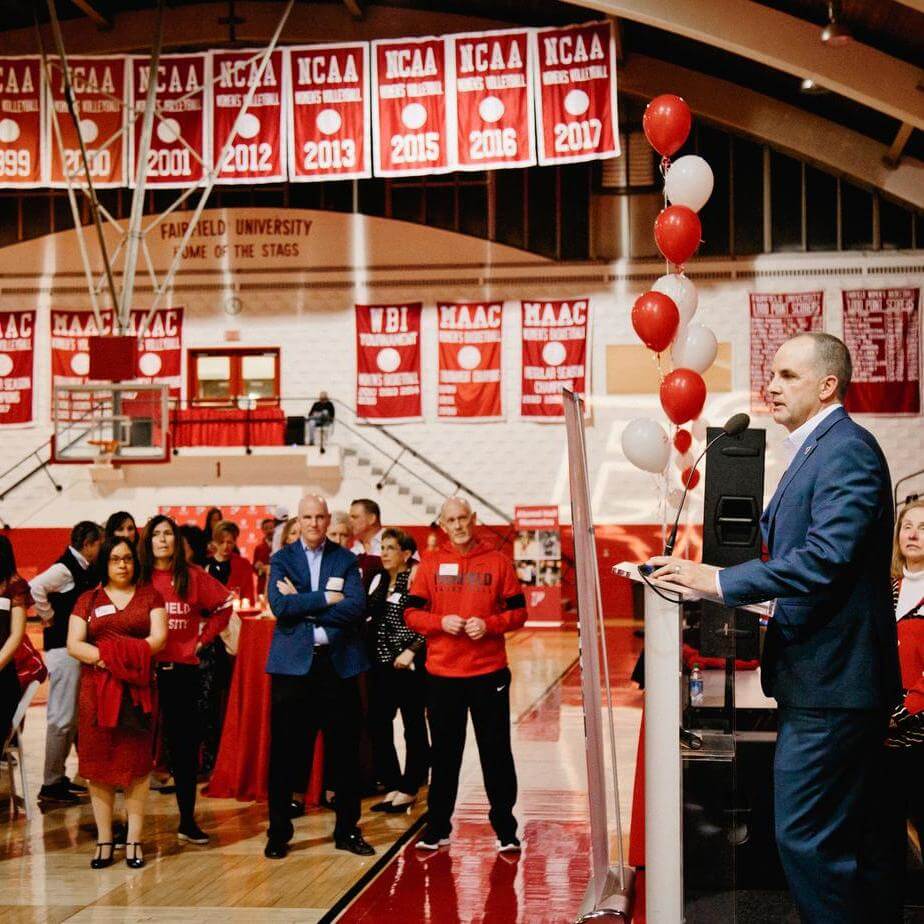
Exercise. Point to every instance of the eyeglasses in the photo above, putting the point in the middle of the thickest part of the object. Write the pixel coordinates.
(121, 559)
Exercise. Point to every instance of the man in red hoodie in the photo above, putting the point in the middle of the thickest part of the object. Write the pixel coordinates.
(464, 597)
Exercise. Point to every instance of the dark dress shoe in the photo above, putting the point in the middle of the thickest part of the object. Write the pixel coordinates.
(296, 809)
(99, 861)
(353, 842)
(275, 850)
(132, 859)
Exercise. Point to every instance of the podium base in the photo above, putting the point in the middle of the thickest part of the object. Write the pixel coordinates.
(615, 903)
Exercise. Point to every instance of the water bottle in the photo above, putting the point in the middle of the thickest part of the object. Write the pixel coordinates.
(696, 686)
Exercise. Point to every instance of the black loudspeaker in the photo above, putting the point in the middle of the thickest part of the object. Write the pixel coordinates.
(295, 431)
(734, 497)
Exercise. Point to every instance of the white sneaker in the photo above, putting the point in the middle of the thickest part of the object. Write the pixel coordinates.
(429, 841)
(509, 845)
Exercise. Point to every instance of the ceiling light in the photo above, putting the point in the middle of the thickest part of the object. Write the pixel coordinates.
(835, 34)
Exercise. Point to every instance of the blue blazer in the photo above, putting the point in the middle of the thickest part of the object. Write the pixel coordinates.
(292, 648)
(832, 641)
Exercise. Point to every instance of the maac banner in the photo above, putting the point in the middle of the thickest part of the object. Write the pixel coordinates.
(774, 319)
(256, 154)
(494, 99)
(554, 355)
(17, 364)
(576, 95)
(388, 362)
(470, 360)
(101, 93)
(882, 330)
(329, 115)
(179, 141)
(159, 355)
(411, 121)
(21, 128)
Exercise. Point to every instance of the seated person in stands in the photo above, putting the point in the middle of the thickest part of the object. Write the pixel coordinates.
(320, 415)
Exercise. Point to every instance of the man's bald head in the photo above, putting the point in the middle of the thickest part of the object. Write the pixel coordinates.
(313, 519)
(831, 357)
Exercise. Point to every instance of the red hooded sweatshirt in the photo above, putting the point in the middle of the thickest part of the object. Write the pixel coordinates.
(479, 583)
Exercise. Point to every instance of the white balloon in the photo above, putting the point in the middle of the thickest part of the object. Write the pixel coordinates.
(646, 445)
(684, 460)
(689, 182)
(699, 428)
(695, 347)
(681, 291)
(674, 497)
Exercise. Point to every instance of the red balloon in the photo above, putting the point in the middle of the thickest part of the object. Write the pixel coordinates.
(694, 481)
(683, 440)
(683, 394)
(655, 318)
(667, 123)
(677, 231)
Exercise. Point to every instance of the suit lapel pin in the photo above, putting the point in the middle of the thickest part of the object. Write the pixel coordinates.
(808, 449)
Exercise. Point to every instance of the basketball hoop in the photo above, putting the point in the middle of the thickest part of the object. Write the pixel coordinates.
(105, 450)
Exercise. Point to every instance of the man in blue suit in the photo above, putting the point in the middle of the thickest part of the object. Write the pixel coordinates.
(316, 655)
(830, 655)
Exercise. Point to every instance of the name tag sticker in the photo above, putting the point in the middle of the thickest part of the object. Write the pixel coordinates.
(449, 567)
(5, 605)
(335, 583)
(106, 610)
(394, 598)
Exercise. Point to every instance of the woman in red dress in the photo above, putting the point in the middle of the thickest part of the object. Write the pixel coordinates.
(14, 600)
(127, 624)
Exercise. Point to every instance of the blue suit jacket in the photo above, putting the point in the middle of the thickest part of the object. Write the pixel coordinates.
(292, 649)
(832, 641)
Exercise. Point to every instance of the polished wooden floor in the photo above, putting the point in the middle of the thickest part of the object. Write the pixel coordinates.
(44, 872)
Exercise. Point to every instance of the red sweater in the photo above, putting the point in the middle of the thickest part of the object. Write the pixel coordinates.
(206, 599)
(479, 583)
(127, 673)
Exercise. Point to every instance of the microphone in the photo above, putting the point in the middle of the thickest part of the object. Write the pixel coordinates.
(735, 424)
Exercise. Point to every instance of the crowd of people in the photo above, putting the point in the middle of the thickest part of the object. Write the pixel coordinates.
(136, 643)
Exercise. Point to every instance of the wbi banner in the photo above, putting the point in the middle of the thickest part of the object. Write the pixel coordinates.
(256, 153)
(329, 112)
(21, 128)
(470, 336)
(388, 362)
(576, 99)
(554, 355)
(411, 119)
(882, 330)
(17, 365)
(494, 99)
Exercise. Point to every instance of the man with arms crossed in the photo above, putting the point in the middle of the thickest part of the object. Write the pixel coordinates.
(830, 653)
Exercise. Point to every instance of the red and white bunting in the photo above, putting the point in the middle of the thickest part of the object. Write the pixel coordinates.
(388, 362)
(413, 129)
(159, 354)
(21, 124)
(256, 154)
(576, 93)
(554, 355)
(101, 92)
(493, 99)
(329, 112)
(17, 368)
(470, 336)
(180, 138)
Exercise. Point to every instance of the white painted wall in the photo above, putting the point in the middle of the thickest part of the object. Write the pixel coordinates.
(305, 305)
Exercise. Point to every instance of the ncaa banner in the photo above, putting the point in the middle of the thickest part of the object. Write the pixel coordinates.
(256, 154)
(469, 360)
(882, 330)
(554, 355)
(576, 93)
(388, 362)
(329, 113)
(21, 123)
(101, 93)
(493, 99)
(411, 118)
(179, 148)
(17, 365)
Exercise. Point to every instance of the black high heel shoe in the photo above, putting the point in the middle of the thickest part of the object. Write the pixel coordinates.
(133, 861)
(99, 861)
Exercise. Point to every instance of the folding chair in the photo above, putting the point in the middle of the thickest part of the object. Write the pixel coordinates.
(12, 754)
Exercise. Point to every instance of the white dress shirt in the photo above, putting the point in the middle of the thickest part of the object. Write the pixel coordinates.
(54, 580)
(313, 557)
(375, 545)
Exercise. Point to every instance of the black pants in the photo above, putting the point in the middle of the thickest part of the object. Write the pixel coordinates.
(10, 695)
(178, 689)
(451, 699)
(390, 691)
(301, 707)
(215, 667)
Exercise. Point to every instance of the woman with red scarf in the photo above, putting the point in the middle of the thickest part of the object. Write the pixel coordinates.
(198, 608)
(115, 630)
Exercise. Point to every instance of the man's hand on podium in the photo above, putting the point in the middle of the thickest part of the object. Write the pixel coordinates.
(686, 573)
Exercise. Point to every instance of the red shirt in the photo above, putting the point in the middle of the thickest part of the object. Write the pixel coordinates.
(261, 556)
(480, 583)
(206, 599)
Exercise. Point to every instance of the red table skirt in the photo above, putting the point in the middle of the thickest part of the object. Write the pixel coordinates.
(228, 426)
(242, 767)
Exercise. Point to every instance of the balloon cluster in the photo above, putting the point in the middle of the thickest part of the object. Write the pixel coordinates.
(663, 316)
